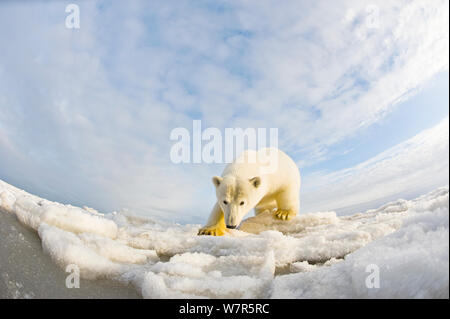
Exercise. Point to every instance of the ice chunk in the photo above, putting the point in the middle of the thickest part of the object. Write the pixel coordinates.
(315, 255)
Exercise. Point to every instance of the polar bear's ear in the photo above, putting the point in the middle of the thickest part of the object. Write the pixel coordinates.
(217, 180)
(256, 181)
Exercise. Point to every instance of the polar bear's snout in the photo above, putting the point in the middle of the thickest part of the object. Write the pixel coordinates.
(232, 217)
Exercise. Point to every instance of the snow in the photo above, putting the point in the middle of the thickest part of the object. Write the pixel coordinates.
(316, 255)
(412, 261)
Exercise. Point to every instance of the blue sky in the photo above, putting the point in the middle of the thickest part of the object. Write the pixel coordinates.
(422, 111)
(358, 92)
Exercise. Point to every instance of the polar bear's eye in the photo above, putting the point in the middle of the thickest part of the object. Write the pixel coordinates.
(225, 202)
(242, 203)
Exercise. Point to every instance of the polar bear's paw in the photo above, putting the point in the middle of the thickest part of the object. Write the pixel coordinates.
(212, 231)
(285, 214)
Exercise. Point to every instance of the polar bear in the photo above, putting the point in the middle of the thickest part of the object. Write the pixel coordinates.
(267, 179)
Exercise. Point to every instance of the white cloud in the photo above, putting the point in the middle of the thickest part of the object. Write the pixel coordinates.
(413, 166)
(96, 105)
(351, 74)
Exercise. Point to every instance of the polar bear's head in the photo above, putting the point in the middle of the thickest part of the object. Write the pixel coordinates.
(236, 197)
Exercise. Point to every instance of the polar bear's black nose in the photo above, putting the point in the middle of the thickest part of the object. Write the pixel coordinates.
(231, 227)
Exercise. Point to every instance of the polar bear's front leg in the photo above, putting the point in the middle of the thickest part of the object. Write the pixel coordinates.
(288, 204)
(216, 223)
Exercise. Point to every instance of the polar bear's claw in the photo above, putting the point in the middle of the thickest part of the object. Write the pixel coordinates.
(211, 231)
(284, 214)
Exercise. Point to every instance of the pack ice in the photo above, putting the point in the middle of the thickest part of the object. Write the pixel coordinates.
(316, 255)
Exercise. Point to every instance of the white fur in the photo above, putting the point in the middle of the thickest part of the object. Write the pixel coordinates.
(251, 181)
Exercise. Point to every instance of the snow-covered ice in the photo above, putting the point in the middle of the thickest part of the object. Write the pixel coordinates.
(316, 255)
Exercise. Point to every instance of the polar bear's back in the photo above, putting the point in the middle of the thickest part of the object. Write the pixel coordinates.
(253, 163)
